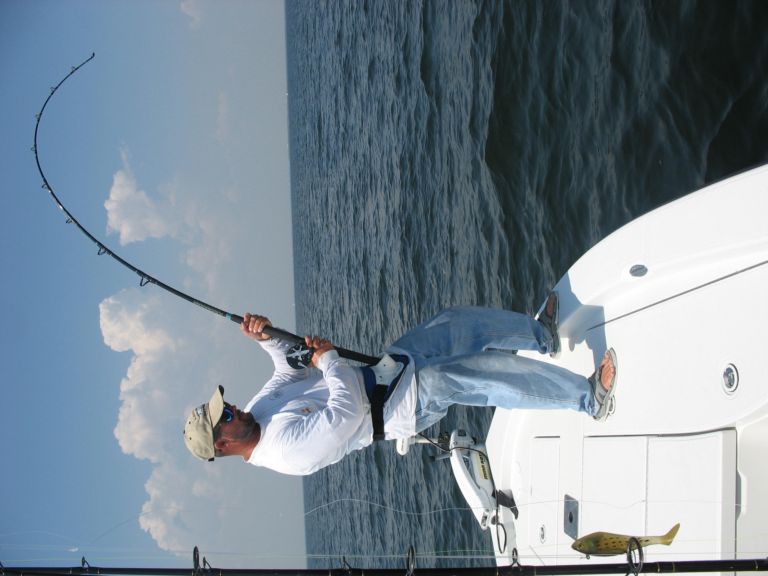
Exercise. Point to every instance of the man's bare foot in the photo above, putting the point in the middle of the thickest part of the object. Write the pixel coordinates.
(607, 372)
(606, 375)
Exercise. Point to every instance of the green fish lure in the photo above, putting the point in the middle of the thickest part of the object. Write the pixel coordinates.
(608, 544)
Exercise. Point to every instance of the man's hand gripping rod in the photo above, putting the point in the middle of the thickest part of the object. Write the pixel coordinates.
(300, 355)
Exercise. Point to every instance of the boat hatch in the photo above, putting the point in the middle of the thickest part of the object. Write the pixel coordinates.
(644, 485)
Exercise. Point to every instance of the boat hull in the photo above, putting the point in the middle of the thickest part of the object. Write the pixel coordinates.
(680, 295)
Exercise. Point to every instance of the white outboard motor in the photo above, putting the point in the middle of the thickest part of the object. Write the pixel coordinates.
(469, 462)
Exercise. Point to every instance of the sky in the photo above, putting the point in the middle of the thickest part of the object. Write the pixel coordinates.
(171, 147)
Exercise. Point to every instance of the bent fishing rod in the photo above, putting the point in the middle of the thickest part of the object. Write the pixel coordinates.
(299, 355)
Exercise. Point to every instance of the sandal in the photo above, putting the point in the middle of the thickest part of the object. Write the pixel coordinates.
(549, 321)
(605, 399)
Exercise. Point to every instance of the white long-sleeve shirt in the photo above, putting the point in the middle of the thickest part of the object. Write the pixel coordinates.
(310, 418)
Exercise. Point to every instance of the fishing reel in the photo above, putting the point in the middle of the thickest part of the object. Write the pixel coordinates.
(299, 356)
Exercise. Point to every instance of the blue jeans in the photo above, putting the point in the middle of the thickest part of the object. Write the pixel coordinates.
(464, 356)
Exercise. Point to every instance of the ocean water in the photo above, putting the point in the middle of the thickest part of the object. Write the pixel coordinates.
(466, 152)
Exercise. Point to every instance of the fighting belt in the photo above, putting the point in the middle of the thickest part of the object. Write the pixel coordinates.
(381, 380)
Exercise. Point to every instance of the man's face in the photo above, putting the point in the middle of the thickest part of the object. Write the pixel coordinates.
(235, 425)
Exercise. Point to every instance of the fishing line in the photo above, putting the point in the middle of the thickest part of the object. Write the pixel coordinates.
(144, 277)
(384, 507)
(501, 530)
(397, 510)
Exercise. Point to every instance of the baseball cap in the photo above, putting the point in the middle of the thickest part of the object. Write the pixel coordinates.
(198, 431)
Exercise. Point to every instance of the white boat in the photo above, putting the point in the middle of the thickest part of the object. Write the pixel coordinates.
(680, 294)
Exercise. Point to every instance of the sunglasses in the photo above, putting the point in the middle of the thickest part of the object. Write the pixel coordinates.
(228, 414)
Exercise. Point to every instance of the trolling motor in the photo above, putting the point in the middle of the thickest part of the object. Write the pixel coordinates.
(469, 463)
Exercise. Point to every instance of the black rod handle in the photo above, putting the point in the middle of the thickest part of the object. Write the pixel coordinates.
(273, 332)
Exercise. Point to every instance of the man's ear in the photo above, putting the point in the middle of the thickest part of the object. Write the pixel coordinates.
(220, 444)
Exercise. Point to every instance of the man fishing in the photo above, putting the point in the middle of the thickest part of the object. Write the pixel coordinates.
(304, 419)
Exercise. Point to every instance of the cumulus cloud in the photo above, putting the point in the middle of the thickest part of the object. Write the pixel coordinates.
(204, 225)
(230, 253)
(126, 329)
(176, 361)
(129, 324)
(131, 213)
(178, 354)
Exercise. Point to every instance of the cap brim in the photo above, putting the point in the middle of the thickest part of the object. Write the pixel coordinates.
(216, 406)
